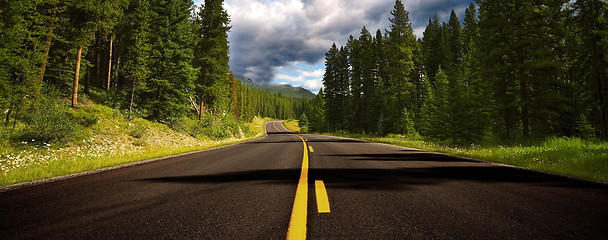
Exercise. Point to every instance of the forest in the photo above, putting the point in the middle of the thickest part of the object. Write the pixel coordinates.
(512, 71)
(162, 60)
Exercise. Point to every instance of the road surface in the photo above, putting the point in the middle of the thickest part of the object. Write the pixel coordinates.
(350, 189)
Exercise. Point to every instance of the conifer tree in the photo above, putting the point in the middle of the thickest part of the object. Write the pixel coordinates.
(211, 55)
(356, 82)
(433, 48)
(591, 59)
(137, 47)
(21, 53)
(333, 88)
(368, 81)
(400, 40)
(171, 72)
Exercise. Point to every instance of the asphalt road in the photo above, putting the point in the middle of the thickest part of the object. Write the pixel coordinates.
(247, 191)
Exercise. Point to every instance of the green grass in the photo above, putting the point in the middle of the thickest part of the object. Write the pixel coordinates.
(568, 156)
(83, 163)
(112, 140)
(292, 125)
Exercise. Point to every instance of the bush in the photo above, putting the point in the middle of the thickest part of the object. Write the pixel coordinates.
(84, 118)
(47, 120)
(138, 129)
(212, 127)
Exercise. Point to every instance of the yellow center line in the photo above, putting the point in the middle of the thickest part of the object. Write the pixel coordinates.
(275, 126)
(311, 150)
(322, 199)
(297, 224)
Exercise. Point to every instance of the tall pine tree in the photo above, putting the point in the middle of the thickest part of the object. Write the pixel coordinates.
(211, 55)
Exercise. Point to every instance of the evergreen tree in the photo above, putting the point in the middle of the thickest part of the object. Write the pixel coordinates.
(454, 47)
(211, 55)
(171, 72)
(476, 113)
(137, 48)
(367, 106)
(439, 108)
(21, 53)
(524, 55)
(433, 48)
(356, 83)
(400, 40)
(590, 63)
(333, 89)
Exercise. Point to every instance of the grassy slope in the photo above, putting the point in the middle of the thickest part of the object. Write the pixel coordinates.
(110, 142)
(292, 125)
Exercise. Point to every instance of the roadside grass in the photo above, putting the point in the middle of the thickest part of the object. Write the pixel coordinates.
(111, 140)
(568, 156)
(292, 125)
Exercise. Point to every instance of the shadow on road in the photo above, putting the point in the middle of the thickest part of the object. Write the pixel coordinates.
(413, 155)
(388, 179)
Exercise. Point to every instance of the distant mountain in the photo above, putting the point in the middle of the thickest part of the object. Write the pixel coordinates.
(285, 89)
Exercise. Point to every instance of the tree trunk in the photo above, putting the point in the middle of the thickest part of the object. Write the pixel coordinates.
(47, 49)
(75, 91)
(8, 117)
(116, 71)
(200, 116)
(109, 65)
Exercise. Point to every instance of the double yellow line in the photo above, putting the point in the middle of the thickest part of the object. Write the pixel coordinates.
(297, 223)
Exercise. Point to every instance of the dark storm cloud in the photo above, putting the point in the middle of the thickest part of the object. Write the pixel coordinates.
(270, 34)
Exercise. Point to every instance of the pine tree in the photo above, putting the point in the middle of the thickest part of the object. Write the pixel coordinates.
(454, 47)
(368, 81)
(433, 48)
(137, 48)
(400, 40)
(476, 94)
(497, 51)
(21, 53)
(211, 55)
(525, 57)
(235, 88)
(333, 89)
(591, 59)
(171, 72)
(356, 83)
(439, 117)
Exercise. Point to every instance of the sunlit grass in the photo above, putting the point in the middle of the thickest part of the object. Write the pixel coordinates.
(569, 156)
(292, 125)
(113, 142)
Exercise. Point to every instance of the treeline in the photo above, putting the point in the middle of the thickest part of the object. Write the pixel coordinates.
(158, 59)
(515, 70)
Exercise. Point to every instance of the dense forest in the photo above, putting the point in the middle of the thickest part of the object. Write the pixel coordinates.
(163, 60)
(514, 70)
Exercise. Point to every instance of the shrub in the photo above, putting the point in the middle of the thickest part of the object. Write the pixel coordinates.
(138, 129)
(84, 118)
(47, 120)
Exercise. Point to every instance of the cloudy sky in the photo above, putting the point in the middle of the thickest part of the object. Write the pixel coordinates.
(284, 41)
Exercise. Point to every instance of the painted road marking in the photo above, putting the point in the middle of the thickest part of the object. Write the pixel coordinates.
(275, 126)
(297, 224)
(322, 199)
(311, 150)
